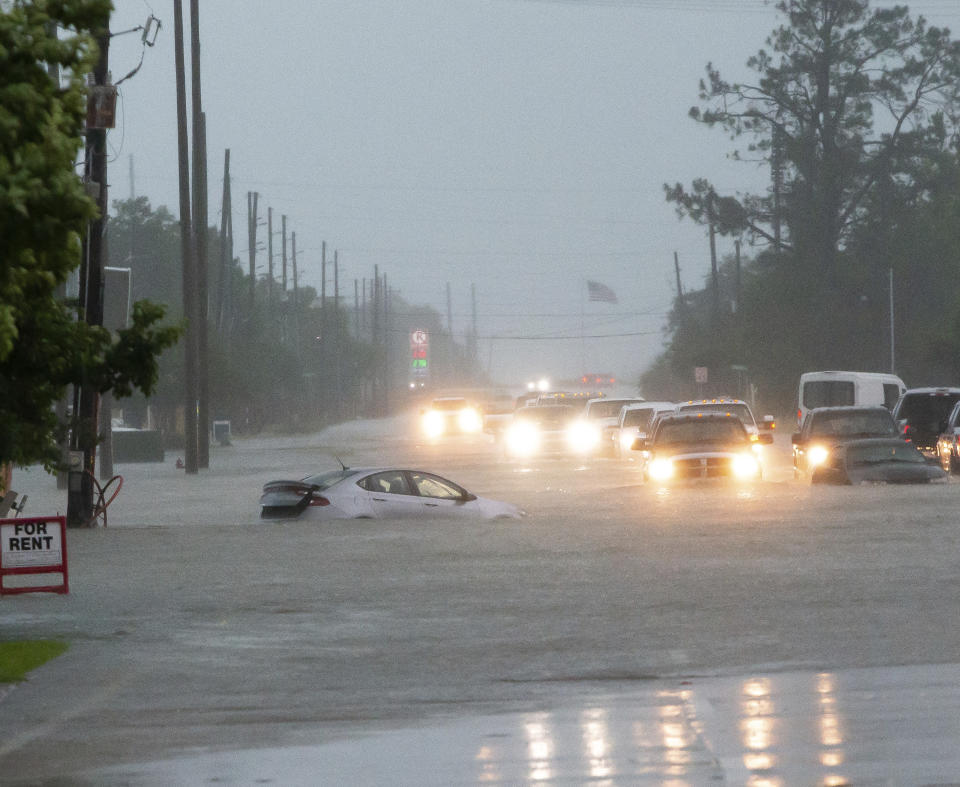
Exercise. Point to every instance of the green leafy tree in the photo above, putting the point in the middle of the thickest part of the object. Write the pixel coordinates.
(43, 213)
(840, 105)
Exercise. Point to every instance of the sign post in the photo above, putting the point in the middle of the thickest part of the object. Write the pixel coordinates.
(36, 545)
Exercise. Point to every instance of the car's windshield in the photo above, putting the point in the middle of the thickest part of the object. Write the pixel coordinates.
(883, 452)
(608, 408)
(449, 404)
(328, 479)
(738, 409)
(553, 416)
(641, 418)
(846, 423)
(695, 430)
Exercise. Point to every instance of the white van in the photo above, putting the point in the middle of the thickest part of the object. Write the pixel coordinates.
(840, 389)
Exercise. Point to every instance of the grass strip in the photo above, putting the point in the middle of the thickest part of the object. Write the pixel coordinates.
(18, 658)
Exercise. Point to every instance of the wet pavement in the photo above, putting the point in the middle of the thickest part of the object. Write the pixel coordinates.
(621, 633)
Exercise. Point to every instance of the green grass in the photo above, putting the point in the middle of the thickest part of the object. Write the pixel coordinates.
(18, 658)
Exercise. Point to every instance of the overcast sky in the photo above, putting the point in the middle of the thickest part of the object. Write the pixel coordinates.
(519, 145)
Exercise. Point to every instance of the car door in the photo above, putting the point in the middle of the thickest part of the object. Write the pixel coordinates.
(391, 496)
(442, 497)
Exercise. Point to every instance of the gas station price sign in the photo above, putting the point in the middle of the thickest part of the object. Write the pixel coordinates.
(419, 343)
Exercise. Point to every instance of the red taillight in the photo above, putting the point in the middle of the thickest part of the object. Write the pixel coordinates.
(799, 415)
(317, 500)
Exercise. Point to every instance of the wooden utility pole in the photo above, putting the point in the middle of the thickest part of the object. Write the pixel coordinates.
(676, 267)
(186, 250)
(270, 260)
(200, 238)
(736, 303)
(296, 298)
(283, 231)
(449, 314)
(226, 256)
(356, 309)
(86, 397)
(337, 382)
(252, 198)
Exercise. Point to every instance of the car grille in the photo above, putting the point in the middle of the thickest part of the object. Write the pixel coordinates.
(704, 467)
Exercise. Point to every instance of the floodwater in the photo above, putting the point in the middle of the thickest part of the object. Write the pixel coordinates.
(620, 634)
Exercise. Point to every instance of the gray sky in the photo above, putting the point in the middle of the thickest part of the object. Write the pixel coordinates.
(520, 145)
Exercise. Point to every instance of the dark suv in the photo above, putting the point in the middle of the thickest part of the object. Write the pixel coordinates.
(922, 413)
(826, 427)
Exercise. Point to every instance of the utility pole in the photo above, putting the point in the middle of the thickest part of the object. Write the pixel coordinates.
(375, 336)
(676, 267)
(200, 238)
(356, 309)
(338, 386)
(226, 256)
(252, 197)
(86, 397)
(283, 225)
(270, 260)
(473, 329)
(296, 299)
(449, 315)
(186, 250)
(736, 302)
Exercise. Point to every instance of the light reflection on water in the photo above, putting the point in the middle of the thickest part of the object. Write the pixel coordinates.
(665, 742)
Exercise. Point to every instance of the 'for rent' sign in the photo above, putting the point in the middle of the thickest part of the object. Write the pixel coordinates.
(33, 546)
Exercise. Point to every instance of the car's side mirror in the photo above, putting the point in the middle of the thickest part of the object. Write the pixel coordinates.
(467, 497)
(765, 438)
(639, 444)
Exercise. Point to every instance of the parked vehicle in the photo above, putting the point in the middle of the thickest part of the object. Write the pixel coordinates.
(922, 413)
(884, 460)
(824, 428)
(701, 446)
(846, 389)
(377, 493)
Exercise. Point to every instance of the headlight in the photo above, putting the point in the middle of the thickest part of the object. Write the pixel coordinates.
(469, 420)
(660, 469)
(745, 466)
(433, 423)
(583, 436)
(817, 455)
(523, 438)
(626, 440)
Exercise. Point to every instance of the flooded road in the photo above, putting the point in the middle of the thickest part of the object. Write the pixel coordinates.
(620, 633)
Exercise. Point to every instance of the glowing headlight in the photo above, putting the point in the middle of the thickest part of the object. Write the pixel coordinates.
(745, 466)
(626, 440)
(523, 439)
(660, 469)
(433, 423)
(583, 436)
(469, 420)
(817, 456)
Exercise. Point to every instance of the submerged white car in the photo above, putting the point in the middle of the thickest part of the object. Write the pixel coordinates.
(377, 493)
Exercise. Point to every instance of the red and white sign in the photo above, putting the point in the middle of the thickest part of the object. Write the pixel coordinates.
(418, 338)
(36, 545)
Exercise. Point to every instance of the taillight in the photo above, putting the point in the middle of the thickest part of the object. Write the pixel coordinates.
(317, 500)
(799, 415)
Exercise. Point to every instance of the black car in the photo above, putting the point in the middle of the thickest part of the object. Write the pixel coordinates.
(883, 460)
(922, 413)
(824, 428)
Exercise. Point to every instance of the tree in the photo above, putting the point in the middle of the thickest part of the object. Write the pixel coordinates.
(841, 106)
(43, 212)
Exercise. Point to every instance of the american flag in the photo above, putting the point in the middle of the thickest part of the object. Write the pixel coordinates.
(600, 292)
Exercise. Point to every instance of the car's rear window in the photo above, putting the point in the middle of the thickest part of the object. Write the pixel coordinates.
(608, 408)
(701, 431)
(927, 411)
(828, 393)
(847, 424)
(884, 452)
(328, 479)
